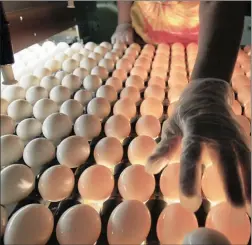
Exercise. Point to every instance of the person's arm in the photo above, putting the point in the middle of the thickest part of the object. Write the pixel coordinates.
(221, 27)
(124, 11)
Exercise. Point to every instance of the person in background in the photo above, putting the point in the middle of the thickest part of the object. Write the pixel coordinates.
(203, 113)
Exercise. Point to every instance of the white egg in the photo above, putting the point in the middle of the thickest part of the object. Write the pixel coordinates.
(28, 81)
(106, 45)
(33, 219)
(83, 96)
(60, 94)
(88, 63)
(72, 82)
(39, 152)
(111, 55)
(4, 220)
(101, 50)
(85, 52)
(35, 93)
(88, 126)
(19, 110)
(80, 72)
(99, 107)
(4, 106)
(56, 127)
(43, 108)
(61, 57)
(135, 81)
(115, 82)
(48, 82)
(107, 64)
(62, 45)
(95, 56)
(12, 93)
(69, 65)
(101, 72)
(124, 64)
(12, 185)
(42, 72)
(92, 83)
(60, 75)
(70, 52)
(108, 92)
(77, 46)
(72, 108)
(7, 125)
(48, 45)
(53, 65)
(73, 151)
(78, 57)
(12, 148)
(29, 129)
(90, 46)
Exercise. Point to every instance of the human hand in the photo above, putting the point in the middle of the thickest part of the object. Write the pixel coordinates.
(203, 116)
(123, 33)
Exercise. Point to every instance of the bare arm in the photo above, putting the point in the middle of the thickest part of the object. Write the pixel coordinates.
(221, 27)
(124, 12)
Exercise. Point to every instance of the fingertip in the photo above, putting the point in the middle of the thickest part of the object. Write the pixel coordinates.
(155, 164)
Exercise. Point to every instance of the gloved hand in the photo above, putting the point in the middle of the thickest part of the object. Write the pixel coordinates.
(204, 115)
(123, 33)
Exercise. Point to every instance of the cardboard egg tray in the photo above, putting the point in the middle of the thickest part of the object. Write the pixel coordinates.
(155, 204)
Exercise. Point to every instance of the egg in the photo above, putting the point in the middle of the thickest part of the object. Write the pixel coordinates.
(231, 221)
(159, 66)
(4, 106)
(124, 64)
(120, 73)
(38, 152)
(60, 75)
(85, 52)
(69, 65)
(99, 107)
(140, 149)
(48, 46)
(171, 109)
(13, 178)
(100, 72)
(154, 91)
(131, 51)
(131, 93)
(56, 127)
(72, 108)
(159, 72)
(181, 71)
(174, 93)
(53, 65)
(247, 110)
(115, 82)
(135, 46)
(77, 46)
(118, 52)
(73, 151)
(117, 126)
(120, 45)
(108, 64)
(170, 232)
(43, 108)
(92, 83)
(32, 217)
(90, 46)
(135, 81)
(244, 123)
(136, 184)
(244, 95)
(83, 96)
(42, 72)
(28, 129)
(72, 82)
(143, 62)
(96, 183)
(7, 125)
(88, 126)
(70, 52)
(106, 45)
(103, 149)
(101, 50)
(78, 57)
(88, 63)
(108, 92)
(80, 224)
(95, 56)
(125, 107)
(19, 110)
(157, 81)
(129, 223)
(59, 94)
(4, 220)
(139, 71)
(49, 82)
(35, 93)
(61, 57)
(177, 79)
(11, 93)
(130, 57)
(151, 106)
(205, 236)
(62, 180)
(28, 81)
(148, 125)
(111, 55)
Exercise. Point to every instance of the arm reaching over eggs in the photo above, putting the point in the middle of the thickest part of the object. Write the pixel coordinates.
(124, 30)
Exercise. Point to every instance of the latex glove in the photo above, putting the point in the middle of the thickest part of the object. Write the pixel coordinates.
(123, 33)
(204, 115)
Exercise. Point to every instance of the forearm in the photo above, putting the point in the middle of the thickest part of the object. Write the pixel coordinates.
(124, 11)
(221, 27)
